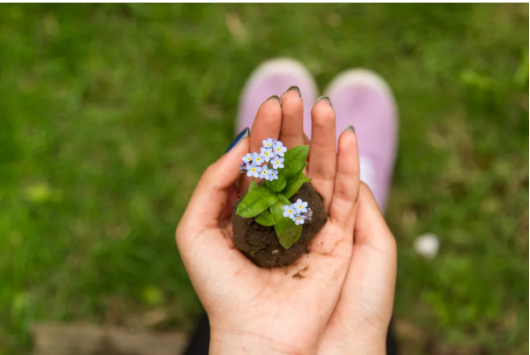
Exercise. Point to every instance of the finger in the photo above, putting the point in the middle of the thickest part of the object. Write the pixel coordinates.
(368, 292)
(210, 195)
(322, 151)
(267, 124)
(347, 181)
(292, 128)
(370, 224)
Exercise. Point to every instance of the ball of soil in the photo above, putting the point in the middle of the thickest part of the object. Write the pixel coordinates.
(260, 243)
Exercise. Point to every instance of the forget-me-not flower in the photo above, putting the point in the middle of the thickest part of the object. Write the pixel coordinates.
(265, 173)
(253, 170)
(279, 149)
(247, 158)
(267, 154)
(288, 211)
(277, 163)
(300, 206)
(268, 143)
(273, 174)
(257, 158)
(299, 219)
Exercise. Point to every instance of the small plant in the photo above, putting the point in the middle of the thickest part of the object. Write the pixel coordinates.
(269, 203)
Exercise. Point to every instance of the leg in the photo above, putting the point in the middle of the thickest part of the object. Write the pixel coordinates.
(363, 99)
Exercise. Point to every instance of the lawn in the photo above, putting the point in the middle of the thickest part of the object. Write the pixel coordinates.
(109, 114)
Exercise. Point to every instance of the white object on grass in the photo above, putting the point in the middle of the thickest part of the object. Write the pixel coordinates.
(427, 245)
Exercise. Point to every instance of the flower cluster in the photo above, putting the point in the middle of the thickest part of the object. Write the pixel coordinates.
(271, 154)
(298, 212)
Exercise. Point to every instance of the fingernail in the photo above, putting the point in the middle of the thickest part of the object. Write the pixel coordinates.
(276, 97)
(325, 98)
(294, 87)
(351, 128)
(244, 133)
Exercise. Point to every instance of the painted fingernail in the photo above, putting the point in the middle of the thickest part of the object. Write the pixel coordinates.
(294, 87)
(351, 128)
(325, 98)
(275, 97)
(244, 133)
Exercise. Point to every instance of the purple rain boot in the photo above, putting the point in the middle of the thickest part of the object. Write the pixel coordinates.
(274, 77)
(363, 99)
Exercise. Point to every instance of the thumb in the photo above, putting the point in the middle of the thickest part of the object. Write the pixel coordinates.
(211, 194)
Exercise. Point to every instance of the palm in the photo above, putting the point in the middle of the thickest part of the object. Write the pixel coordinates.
(248, 293)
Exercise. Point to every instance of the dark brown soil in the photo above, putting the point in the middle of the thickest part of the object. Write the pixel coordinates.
(250, 236)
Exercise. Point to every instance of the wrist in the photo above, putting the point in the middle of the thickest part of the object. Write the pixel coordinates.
(235, 343)
(354, 345)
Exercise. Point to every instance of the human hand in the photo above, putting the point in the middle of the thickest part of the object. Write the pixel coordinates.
(360, 320)
(255, 310)
(361, 317)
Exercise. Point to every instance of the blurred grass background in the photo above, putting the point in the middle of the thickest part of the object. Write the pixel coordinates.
(109, 114)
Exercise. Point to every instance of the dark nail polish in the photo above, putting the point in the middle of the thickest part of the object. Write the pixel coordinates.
(276, 97)
(325, 98)
(351, 128)
(244, 133)
(294, 87)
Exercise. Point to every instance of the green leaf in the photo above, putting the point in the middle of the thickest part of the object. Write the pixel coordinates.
(295, 161)
(257, 251)
(278, 184)
(294, 184)
(253, 186)
(285, 200)
(288, 239)
(257, 200)
(265, 219)
(287, 231)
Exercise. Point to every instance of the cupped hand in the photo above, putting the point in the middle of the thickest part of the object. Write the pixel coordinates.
(359, 322)
(256, 310)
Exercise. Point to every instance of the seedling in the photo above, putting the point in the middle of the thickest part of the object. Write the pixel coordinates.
(269, 203)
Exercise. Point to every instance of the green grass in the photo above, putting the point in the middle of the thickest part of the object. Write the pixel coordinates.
(109, 114)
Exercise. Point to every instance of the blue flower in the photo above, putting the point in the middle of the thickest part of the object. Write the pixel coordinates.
(268, 143)
(247, 159)
(277, 163)
(265, 173)
(267, 154)
(273, 174)
(279, 149)
(288, 211)
(253, 170)
(257, 158)
(300, 206)
(299, 219)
